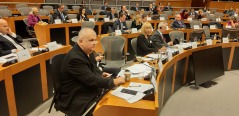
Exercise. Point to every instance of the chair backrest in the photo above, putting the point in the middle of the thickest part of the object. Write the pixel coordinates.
(211, 17)
(88, 24)
(169, 13)
(3, 7)
(176, 34)
(25, 11)
(44, 12)
(74, 39)
(196, 33)
(213, 11)
(128, 23)
(98, 11)
(50, 8)
(219, 14)
(113, 47)
(177, 12)
(76, 8)
(72, 16)
(51, 19)
(66, 7)
(146, 12)
(25, 20)
(195, 22)
(206, 31)
(88, 12)
(131, 12)
(19, 6)
(134, 45)
(5, 13)
(155, 17)
(104, 16)
(206, 14)
(34, 7)
(234, 33)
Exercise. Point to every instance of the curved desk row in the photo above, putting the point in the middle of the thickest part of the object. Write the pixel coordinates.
(174, 75)
(25, 85)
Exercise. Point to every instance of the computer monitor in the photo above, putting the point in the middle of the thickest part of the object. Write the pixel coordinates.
(207, 64)
(234, 33)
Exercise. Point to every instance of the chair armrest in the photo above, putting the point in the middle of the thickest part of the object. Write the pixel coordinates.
(126, 54)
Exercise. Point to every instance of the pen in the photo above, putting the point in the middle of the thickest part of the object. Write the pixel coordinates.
(135, 86)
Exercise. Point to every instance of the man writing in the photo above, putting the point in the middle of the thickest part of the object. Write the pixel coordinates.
(82, 81)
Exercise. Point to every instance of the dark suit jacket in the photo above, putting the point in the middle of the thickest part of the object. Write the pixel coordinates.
(84, 18)
(134, 9)
(6, 46)
(155, 12)
(177, 25)
(168, 8)
(158, 40)
(81, 82)
(117, 23)
(103, 7)
(57, 15)
(127, 17)
(110, 15)
(192, 13)
(133, 25)
(145, 46)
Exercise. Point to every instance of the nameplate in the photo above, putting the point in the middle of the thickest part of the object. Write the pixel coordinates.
(161, 18)
(118, 32)
(196, 26)
(190, 19)
(160, 65)
(208, 11)
(167, 28)
(204, 19)
(52, 46)
(180, 49)
(149, 19)
(134, 30)
(194, 45)
(106, 19)
(213, 27)
(170, 56)
(228, 26)
(225, 40)
(209, 42)
(92, 19)
(235, 15)
(57, 21)
(74, 20)
(218, 19)
(23, 55)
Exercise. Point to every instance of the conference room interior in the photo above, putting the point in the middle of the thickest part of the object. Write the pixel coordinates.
(196, 75)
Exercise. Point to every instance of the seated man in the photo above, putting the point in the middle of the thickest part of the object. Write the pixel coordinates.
(144, 19)
(120, 24)
(105, 6)
(82, 82)
(124, 10)
(61, 14)
(113, 16)
(157, 37)
(141, 11)
(9, 41)
(136, 8)
(168, 7)
(178, 23)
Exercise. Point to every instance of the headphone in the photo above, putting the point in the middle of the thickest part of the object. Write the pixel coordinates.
(160, 27)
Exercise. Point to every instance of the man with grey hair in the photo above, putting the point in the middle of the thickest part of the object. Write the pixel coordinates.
(157, 37)
(178, 23)
(82, 81)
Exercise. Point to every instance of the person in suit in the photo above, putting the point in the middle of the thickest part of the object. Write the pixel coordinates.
(168, 7)
(124, 10)
(230, 10)
(9, 41)
(233, 22)
(136, 8)
(113, 16)
(61, 14)
(82, 16)
(178, 23)
(184, 14)
(151, 8)
(144, 19)
(144, 43)
(33, 18)
(192, 12)
(141, 11)
(235, 13)
(199, 15)
(120, 24)
(105, 6)
(83, 4)
(154, 5)
(137, 23)
(155, 11)
(158, 40)
(82, 81)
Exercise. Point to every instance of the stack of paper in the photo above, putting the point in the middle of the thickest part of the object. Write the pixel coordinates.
(154, 56)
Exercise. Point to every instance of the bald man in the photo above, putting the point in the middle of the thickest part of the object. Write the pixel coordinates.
(82, 81)
(9, 41)
(178, 23)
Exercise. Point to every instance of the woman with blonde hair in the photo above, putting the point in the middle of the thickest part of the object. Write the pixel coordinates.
(144, 42)
(199, 15)
(33, 18)
(137, 23)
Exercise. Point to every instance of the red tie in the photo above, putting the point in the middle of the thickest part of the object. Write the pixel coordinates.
(164, 39)
(180, 23)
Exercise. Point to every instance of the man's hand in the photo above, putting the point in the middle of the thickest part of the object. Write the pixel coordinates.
(170, 43)
(119, 80)
(106, 75)
(9, 31)
(162, 49)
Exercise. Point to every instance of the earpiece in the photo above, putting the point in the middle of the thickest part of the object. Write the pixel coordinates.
(160, 27)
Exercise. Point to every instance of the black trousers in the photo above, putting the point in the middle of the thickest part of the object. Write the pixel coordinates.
(105, 27)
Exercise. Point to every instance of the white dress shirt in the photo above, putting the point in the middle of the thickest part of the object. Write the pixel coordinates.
(12, 41)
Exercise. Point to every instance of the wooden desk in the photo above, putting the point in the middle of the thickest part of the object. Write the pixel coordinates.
(27, 83)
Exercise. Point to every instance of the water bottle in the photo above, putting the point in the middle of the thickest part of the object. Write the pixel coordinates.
(214, 38)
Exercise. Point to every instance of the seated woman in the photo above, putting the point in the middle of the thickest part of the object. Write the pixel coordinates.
(82, 16)
(184, 14)
(33, 18)
(233, 22)
(199, 15)
(155, 11)
(137, 23)
(144, 43)
(230, 10)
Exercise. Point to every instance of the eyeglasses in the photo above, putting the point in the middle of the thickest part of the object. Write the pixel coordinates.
(93, 41)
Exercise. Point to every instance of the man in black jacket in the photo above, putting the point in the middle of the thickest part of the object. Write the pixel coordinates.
(178, 23)
(168, 7)
(112, 16)
(61, 14)
(120, 24)
(9, 41)
(124, 10)
(136, 8)
(83, 81)
(105, 6)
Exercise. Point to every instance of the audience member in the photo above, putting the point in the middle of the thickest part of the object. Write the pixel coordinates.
(141, 11)
(113, 16)
(82, 16)
(144, 19)
(137, 23)
(184, 14)
(60, 14)
(168, 7)
(124, 10)
(192, 12)
(235, 13)
(105, 6)
(160, 7)
(151, 7)
(230, 10)
(199, 15)
(205, 9)
(233, 22)
(155, 11)
(136, 8)
(178, 23)
(120, 24)
(33, 18)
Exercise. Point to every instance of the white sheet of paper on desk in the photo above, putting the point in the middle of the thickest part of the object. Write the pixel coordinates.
(161, 18)
(195, 26)
(134, 30)
(138, 68)
(141, 87)
(92, 19)
(23, 55)
(209, 42)
(52, 46)
(170, 56)
(118, 32)
(194, 45)
(74, 20)
(225, 40)
(147, 59)
(117, 92)
(136, 98)
(57, 21)
(213, 27)
(228, 26)
(160, 65)
(153, 80)
(149, 19)
(190, 19)
(106, 19)
(154, 56)
(180, 49)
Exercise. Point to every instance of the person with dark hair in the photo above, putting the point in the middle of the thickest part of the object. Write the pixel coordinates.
(83, 4)
(192, 12)
(141, 11)
(136, 8)
(168, 7)
(144, 19)
(233, 22)
(82, 16)
(230, 10)
(235, 13)
(151, 7)
(184, 14)
(60, 14)
(155, 11)
(120, 24)
(124, 10)
(160, 7)
(105, 6)
(205, 9)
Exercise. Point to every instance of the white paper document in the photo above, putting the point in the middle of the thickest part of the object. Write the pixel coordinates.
(139, 86)
(147, 59)
(154, 56)
(153, 80)
(225, 40)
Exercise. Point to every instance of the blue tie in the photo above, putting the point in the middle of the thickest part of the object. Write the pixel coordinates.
(62, 16)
